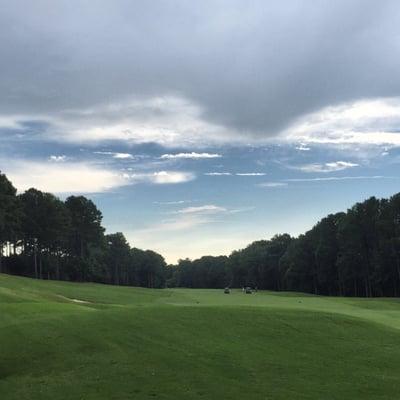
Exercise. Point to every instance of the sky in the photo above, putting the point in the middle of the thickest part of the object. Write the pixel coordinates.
(198, 127)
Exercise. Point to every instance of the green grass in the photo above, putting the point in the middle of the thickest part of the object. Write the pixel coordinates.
(131, 343)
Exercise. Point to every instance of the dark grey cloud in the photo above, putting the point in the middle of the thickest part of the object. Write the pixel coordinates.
(253, 66)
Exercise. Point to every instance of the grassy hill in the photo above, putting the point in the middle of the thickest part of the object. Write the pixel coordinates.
(62, 340)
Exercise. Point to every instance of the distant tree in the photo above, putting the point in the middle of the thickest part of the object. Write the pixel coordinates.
(9, 215)
(118, 258)
(298, 266)
(86, 238)
(324, 237)
(276, 248)
(358, 247)
(45, 224)
(171, 275)
(149, 268)
(184, 273)
(389, 245)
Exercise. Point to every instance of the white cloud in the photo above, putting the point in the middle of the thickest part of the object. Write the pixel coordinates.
(164, 177)
(237, 173)
(107, 153)
(367, 122)
(167, 120)
(206, 209)
(211, 209)
(58, 158)
(303, 147)
(186, 219)
(272, 184)
(189, 218)
(218, 174)
(161, 177)
(250, 174)
(181, 223)
(9, 122)
(327, 167)
(339, 178)
(192, 155)
(121, 156)
(61, 178)
(174, 120)
(81, 177)
(169, 203)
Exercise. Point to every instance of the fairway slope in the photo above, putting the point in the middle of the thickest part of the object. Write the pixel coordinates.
(63, 340)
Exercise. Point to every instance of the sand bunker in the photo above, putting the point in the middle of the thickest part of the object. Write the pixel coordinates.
(74, 300)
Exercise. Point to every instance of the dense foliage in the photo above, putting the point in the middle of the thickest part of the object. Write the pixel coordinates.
(44, 237)
(356, 253)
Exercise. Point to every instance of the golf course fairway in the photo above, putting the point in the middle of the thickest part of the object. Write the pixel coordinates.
(61, 340)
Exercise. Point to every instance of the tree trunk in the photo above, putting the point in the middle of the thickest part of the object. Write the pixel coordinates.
(35, 260)
(1, 257)
(58, 267)
(40, 265)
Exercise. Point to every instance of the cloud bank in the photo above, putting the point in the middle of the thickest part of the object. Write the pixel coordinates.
(327, 167)
(65, 177)
(61, 178)
(175, 71)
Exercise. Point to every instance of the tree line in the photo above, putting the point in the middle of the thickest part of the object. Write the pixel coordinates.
(353, 253)
(44, 237)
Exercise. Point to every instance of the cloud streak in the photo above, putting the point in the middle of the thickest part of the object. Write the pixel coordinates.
(189, 218)
(119, 156)
(236, 174)
(339, 178)
(186, 218)
(206, 209)
(272, 184)
(171, 203)
(250, 174)
(327, 167)
(218, 174)
(190, 156)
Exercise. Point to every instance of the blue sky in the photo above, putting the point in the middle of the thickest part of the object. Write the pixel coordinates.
(197, 130)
